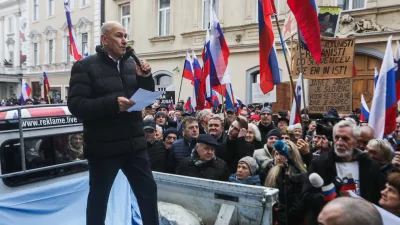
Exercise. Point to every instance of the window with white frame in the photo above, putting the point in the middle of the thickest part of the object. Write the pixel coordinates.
(276, 6)
(10, 25)
(51, 8)
(126, 18)
(68, 49)
(351, 4)
(84, 3)
(35, 54)
(162, 82)
(35, 10)
(51, 48)
(84, 44)
(163, 17)
(206, 11)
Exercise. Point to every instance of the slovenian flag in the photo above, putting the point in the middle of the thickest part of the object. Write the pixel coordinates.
(206, 56)
(219, 53)
(305, 12)
(25, 91)
(295, 113)
(199, 84)
(46, 87)
(269, 68)
(384, 106)
(215, 99)
(230, 99)
(364, 116)
(188, 69)
(171, 104)
(73, 48)
(329, 192)
(188, 105)
(348, 184)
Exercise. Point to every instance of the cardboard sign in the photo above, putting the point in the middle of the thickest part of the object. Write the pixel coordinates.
(330, 93)
(337, 60)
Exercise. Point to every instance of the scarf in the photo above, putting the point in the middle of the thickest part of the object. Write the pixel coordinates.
(250, 180)
(194, 158)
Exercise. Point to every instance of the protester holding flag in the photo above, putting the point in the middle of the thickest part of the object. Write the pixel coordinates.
(100, 88)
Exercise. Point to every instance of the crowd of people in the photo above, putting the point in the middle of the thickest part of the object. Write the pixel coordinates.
(251, 146)
(14, 101)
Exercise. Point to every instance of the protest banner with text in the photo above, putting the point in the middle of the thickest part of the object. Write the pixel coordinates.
(330, 93)
(336, 62)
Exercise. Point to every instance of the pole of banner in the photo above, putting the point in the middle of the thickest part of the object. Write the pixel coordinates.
(302, 77)
(222, 95)
(180, 87)
(286, 59)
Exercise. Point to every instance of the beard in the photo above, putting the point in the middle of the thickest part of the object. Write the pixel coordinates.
(343, 153)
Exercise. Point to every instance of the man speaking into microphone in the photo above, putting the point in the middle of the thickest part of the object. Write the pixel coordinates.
(100, 87)
(356, 170)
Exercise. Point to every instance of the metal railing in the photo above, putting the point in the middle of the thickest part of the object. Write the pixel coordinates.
(22, 144)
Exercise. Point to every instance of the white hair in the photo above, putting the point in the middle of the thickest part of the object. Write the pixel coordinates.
(159, 129)
(106, 27)
(355, 130)
(200, 115)
(257, 133)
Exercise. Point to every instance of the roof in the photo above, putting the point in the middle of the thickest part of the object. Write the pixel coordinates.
(34, 112)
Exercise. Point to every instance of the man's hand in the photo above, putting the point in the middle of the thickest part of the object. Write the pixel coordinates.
(145, 68)
(303, 146)
(396, 161)
(124, 104)
(242, 132)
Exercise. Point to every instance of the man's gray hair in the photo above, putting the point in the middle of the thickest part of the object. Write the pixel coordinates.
(356, 211)
(106, 27)
(355, 130)
(200, 115)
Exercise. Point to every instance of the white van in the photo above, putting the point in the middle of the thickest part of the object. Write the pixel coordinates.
(44, 179)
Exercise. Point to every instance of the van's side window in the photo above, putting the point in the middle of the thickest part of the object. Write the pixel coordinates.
(42, 152)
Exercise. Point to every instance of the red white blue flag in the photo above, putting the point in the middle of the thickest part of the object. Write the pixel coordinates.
(188, 69)
(73, 48)
(364, 116)
(269, 68)
(384, 105)
(25, 91)
(295, 113)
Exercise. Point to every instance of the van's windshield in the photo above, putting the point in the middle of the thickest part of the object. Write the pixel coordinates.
(40, 152)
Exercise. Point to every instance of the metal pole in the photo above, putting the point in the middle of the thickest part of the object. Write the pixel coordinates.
(180, 88)
(302, 77)
(286, 59)
(21, 140)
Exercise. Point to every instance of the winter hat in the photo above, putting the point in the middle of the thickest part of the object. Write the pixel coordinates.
(276, 133)
(266, 110)
(251, 163)
(170, 130)
(159, 114)
(255, 117)
(296, 126)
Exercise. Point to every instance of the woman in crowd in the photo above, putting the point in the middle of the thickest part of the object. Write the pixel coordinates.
(286, 173)
(381, 151)
(253, 137)
(75, 147)
(390, 199)
(246, 172)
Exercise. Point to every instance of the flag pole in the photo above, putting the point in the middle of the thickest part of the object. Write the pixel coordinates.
(302, 77)
(180, 87)
(286, 59)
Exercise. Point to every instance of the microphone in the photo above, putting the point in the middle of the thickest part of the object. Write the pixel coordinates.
(328, 191)
(130, 52)
(316, 180)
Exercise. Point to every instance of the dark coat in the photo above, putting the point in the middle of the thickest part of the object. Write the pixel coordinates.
(95, 85)
(213, 170)
(158, 156)
(235, 150)
(371, 180)
(264, 131)
(180, 150)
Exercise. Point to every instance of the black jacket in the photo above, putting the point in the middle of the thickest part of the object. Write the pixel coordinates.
(213, 170)
(264, 131)
(158, 156)
(95, 85)
(371, 180)
(180, 149)
(236, 150)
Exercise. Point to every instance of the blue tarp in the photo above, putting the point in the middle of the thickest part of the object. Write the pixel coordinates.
(64, 203)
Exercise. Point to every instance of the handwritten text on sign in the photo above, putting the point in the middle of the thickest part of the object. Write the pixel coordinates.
(330, 93)
(336, 61)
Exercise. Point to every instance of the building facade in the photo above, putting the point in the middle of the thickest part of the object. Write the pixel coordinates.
(13, 41)
(49, 43)
(161, 31)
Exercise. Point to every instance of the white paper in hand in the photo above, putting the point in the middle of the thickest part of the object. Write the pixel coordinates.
(143, 98)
